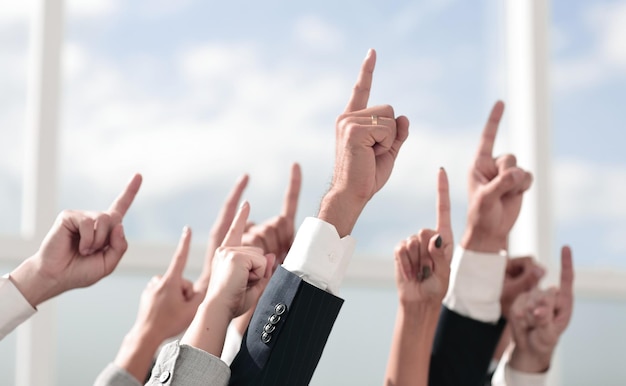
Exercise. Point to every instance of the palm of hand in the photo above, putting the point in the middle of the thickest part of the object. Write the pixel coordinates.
(170, 305)
(430, 290)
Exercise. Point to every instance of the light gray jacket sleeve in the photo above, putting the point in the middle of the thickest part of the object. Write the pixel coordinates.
(188, 366)
(113, 375)
(177, 365)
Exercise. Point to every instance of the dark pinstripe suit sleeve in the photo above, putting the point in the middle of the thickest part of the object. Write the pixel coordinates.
(297, 340)
(462, 350)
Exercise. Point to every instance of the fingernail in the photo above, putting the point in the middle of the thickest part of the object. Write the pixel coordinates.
(426, 272)
(369, 53)
(185, 229)
(438, 242)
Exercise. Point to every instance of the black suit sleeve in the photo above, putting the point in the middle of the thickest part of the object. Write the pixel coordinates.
(287, 333)
(462, 350)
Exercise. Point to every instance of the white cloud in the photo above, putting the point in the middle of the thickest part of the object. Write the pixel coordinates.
(604, 60)
(410, 17)
(319, 35)
(21, 11)
(15, 11)
(84, 9)
(115, 123)
(587, 191)
(612, 25)
(215, 62)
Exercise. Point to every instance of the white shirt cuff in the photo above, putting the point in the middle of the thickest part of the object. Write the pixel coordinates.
(505, 375)
(476, 281)
(232, 343)
(319, 256)
(14, 308)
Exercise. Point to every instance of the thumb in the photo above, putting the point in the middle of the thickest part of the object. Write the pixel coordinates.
(502, 184)
(117, 248)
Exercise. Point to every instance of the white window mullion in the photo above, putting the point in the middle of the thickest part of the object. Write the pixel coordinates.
(36, 339)
(528, 113)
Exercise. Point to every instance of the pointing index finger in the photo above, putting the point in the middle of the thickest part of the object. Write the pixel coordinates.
(238, 226)
(177, 266)
(567, 271)
(290, 205)
(361, 91)
(443, 204)
(125, 199)
(488, 138)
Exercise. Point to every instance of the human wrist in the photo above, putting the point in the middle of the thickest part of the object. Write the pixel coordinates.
(419, 311)
(137, 351)
(32, 285)
(341, 209)
(477, 241)
(208, 328)
(529, 362)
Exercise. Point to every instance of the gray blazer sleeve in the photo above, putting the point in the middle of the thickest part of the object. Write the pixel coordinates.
(177, 365)
(113, 375)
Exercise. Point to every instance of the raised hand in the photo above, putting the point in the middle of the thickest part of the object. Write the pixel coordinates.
(236, 275)
(538, 318)
(276, 234)
(422, 274)
(423, 260)
(496, 187)
(367, 143)
(237, 270)
(169, 302)
(219, 229)
(522, 274)
(167, 307)
(80, 249)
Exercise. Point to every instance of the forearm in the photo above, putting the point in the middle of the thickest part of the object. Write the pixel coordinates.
(529, 362)
(340, 210)
(137, 352)
(411, 345)
(208, 328)
(479, 241)
(28, 280)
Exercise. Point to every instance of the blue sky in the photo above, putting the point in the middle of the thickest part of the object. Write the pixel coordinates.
(192, 94)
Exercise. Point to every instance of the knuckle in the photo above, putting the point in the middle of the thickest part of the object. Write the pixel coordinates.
(360, 88)
(413, 243)
(341, 118)
(387, 111)
(400, 249)
(351, 129)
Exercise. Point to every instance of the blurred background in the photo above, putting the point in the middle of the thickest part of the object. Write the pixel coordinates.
(192, 94)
